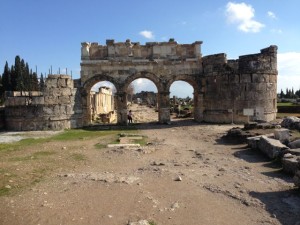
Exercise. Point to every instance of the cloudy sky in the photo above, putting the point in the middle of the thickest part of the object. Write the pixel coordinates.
(49, 33)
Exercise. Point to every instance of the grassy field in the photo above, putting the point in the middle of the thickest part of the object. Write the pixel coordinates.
(29, 161)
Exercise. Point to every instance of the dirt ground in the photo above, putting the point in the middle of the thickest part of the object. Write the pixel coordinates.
(185, 175)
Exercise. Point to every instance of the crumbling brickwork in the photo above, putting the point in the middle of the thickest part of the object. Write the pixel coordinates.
(53, 109)
(225, 90)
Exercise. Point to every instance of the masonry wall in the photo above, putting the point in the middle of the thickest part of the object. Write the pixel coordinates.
(58, 107)
(2, 124)
(234, 88)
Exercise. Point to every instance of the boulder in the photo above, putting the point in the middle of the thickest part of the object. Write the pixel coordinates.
(283, 135)
(291, 122)
(297, 179)
(271, 147)
(294, 144)
(290, 163)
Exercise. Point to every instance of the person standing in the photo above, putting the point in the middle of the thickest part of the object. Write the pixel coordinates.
(129, 116)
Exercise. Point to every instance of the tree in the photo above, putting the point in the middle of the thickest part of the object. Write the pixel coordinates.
(34, 82)
(16, 77)
(42, 83)
(281, 95)
(6, 78)
(1, 90)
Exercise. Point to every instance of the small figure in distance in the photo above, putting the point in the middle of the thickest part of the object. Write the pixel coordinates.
(129, 116)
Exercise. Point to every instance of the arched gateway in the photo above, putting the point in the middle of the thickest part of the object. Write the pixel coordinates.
(122, 63)
(224, 90)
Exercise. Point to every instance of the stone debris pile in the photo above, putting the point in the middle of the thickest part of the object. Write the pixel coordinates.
(278, 145)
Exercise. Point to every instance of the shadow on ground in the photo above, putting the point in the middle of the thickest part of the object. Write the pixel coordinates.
(284, 205)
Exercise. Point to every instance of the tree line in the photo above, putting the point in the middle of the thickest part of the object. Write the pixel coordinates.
(289, 93)
(19, 77)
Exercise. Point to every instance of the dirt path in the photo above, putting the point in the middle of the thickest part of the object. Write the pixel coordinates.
(186, 175)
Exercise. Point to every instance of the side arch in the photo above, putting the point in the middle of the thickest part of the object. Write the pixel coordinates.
(195, 82)
(98, 78)
(86, 96)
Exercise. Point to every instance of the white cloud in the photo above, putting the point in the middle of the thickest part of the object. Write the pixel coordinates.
(271, 15)
(147, 34)
(276, 31)
(288, 70)
(242, 15)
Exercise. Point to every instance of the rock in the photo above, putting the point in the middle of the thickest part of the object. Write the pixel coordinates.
(7, 186)
(291, 122)
(297, 179)
(294, 144)
(288, 156)
(174, 206)
(271, 147)
(283, 135)
(178, 178)
(141, 222)
(295, 151)
(253, 142)
(290, 164)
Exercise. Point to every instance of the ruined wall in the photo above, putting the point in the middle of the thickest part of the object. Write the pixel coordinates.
(231, 86)
(2, 124)
(58, 107)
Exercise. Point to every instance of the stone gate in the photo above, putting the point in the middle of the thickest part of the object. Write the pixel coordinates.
(225, 91)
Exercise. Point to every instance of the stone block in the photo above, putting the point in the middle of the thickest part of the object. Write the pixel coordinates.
(295, 151)
(48, 110)
(294, 144)
(51, 83)
(38, 100)
(64, 100)
(61, 83)
(271, 147)
(51, 100)
(290, 163)
(253, 142)
(283, 135)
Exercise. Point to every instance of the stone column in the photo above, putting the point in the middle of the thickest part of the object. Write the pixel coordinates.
(164, 107)
(121, 98)
(198, 107)
(86, 107)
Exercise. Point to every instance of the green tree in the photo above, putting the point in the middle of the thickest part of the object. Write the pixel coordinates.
(6, 78)
(281, 95)
(42, 83)
(16, 78)
(34, 82)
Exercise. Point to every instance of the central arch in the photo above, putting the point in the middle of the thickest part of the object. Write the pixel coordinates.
(163, 104)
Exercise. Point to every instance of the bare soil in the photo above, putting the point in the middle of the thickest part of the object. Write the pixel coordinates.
(187, 174)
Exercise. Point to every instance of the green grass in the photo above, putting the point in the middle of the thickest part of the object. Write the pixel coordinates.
(152, 223)
(142, 141)
(286, 104)
(78, 157)
(100, 146)
(282, 115)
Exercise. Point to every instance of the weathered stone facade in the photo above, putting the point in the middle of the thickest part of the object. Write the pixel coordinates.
(53, 109)
(225, 91)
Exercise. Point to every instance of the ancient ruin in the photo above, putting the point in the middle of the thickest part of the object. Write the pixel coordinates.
(225, 91)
